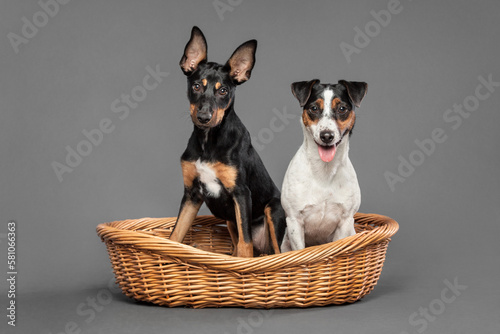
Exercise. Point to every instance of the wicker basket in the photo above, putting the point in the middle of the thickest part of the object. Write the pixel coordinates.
(149, 267)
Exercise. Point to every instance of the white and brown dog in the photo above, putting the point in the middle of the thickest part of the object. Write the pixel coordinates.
(320, 191)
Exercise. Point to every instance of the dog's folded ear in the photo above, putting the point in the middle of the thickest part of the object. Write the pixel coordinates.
(302, 90)
(195, 52)
(356, 90)
(241, 62)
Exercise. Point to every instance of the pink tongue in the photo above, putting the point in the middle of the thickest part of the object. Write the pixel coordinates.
(327, 153)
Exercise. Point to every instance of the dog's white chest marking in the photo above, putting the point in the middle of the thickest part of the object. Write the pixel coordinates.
(320, 199)
(322, 218)
(208, 177)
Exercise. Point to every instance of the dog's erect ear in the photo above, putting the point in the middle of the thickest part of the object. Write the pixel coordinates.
(302, 90)
(241, 62)
(356, 90)
(195, 52)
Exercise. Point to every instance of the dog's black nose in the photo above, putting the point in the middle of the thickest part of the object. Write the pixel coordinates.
(204, 118)
(326, 136)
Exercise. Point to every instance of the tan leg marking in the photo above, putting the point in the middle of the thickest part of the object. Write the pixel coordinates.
(189, 172)
(244, 249)
(234, 235)
(272, 231)
(185, 220)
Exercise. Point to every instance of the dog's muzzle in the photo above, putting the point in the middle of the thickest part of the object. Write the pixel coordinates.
(204, 118)
(204, 115)
(326, 136)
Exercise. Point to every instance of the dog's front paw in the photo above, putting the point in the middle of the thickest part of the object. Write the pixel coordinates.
(202, 247)
(344, 230)
(285, 245)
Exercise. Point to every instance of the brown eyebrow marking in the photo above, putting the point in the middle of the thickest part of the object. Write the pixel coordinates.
(218, 85)
(204, 82)
(320, 103)
(335, 102)
(306, 119)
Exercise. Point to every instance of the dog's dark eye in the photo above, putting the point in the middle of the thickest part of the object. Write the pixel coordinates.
(342, 110)
(223, 91)
(196, 87)
(313, 109)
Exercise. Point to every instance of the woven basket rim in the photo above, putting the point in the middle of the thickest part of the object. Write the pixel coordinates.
(127, 232)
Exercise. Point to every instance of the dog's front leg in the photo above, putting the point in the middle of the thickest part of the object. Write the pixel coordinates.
(190, 205)
(243, 212)
(295, 233)
(285, 245)
(344, 229)
(233, 232)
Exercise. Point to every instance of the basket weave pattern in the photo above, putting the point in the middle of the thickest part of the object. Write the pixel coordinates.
(200, 272)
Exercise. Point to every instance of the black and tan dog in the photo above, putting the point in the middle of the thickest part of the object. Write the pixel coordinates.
(220, 167)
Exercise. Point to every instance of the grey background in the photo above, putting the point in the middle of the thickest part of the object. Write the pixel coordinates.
(64, 80)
